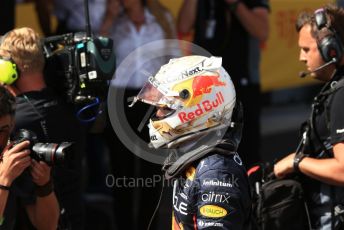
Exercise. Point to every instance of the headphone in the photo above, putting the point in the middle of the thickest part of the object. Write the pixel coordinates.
(330, 46)
(8, 69)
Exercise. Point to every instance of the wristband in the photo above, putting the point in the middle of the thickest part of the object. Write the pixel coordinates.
(297, 159)
(4, 187)
(233, 6)
(44, 190)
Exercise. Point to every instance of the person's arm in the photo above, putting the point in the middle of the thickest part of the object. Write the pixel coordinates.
(44, 214)
(44, 12)
(255, 21)
(329, 171)
(14, 161)
(3, 201)
(187, 16)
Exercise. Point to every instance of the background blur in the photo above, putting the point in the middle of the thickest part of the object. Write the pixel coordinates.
(279, 52)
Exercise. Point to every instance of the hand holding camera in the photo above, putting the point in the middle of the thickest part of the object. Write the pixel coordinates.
(40, 173)
(26, 151)
(50, 153)
(15, 159)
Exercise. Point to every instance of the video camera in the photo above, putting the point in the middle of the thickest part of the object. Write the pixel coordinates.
(78, 66)
(50, 153)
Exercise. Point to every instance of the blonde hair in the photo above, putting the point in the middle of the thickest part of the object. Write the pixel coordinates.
(24, 47)
(160, 13)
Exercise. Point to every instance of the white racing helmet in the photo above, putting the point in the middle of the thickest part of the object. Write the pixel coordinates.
(198, 94)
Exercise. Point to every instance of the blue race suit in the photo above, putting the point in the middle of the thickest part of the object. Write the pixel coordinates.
(212, 193)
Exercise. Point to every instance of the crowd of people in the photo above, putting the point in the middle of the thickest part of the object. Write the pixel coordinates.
(207, 117)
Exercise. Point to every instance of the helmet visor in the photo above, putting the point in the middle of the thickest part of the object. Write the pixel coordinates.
(157, 96)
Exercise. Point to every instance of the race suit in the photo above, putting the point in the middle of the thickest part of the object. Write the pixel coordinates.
(212, 193)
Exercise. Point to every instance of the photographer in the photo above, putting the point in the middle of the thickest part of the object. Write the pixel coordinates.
(321, 159)
(15, 185)
(41, 111)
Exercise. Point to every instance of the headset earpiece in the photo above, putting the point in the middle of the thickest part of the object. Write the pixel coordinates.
(330, 46)
(8, 71)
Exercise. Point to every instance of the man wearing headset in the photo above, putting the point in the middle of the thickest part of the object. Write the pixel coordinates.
(42, 208)
(321, 159)
(40, 110)
(196, 104)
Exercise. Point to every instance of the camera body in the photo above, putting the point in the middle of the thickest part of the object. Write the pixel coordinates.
(50, 153)
(79, 67)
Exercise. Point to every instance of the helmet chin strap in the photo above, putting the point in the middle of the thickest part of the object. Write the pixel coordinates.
(185, 140)
(178, 160)
(182, 142)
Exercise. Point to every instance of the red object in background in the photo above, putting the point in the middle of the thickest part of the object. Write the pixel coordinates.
(253, 170)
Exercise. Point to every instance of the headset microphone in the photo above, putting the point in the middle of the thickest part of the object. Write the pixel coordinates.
(303, 74)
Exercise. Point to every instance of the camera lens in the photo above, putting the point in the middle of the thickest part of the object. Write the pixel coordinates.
(51, 153)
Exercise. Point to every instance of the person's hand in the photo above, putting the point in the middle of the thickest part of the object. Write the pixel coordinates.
(284, 166)
(40, 172)
(14, 161)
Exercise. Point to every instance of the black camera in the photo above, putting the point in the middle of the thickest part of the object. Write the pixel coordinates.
(79, 67)
(50, 153)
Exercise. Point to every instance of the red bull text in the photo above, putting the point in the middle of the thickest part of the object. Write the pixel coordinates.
(203, 107)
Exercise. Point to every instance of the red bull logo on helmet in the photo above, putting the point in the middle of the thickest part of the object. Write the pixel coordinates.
(204, 84)
(203, 107)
